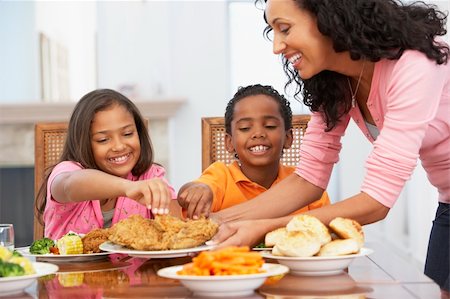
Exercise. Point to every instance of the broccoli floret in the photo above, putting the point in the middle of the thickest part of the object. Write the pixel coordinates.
(16, 253)
(41, 246)
(10, 269)
(261, 245)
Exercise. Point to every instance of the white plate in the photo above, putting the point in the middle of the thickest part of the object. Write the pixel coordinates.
(16, 284)
(262, 249)
(317, 265)
(226, 285)
(63, 258)
(115, 248)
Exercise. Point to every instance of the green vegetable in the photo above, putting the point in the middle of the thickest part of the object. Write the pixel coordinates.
(41, 246)
(10, 269)
(261, 245)
(16, 253)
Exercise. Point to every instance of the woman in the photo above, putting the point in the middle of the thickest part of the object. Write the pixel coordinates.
(376, 61)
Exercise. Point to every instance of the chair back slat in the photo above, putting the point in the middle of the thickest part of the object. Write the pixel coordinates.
(49, 139)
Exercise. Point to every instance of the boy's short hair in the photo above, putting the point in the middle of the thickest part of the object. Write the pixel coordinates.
(258, 89)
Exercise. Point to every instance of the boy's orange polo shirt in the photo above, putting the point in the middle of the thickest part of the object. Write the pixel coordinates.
(231, 187)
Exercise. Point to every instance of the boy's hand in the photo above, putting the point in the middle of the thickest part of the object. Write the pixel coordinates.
(196, 198)
(152, 193)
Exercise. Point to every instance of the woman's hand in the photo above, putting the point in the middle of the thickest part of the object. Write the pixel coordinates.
(240, 233)
(196, 198)
(153, 193)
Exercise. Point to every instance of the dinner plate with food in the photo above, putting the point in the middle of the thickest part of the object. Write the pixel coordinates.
(18, 272)
(232, 271)
(163, 237)
(72, 247)
(115, 248)
(309, 247)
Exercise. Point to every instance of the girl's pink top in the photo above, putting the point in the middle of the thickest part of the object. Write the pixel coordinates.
(409, 102)
(82, 217)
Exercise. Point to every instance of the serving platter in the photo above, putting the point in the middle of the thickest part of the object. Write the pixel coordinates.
(115, 248)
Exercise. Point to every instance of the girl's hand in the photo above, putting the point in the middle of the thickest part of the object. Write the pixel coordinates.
(240, 233)
(152, 193)
(196, 198)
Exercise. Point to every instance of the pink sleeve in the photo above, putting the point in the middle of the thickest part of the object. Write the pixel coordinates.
(412, 95)
(65, 166)
(319, 150)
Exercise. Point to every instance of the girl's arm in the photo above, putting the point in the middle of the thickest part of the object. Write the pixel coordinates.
(92, 184)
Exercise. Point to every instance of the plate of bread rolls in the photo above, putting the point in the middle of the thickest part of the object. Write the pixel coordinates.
(309, 247)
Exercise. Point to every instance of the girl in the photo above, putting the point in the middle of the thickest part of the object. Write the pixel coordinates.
(106, 171)
(258, 122)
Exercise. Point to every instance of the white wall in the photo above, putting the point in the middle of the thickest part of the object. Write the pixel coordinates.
(19, 65)
(20, 25)
(171, 49)
(76, 31)
(134, 47)
(200, 71)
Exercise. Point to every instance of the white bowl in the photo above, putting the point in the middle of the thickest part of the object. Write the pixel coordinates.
(16, 284)
(223, 286)
(317, 265)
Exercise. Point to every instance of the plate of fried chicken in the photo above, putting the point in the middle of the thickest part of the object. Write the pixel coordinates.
(114, 248)
(163, 237)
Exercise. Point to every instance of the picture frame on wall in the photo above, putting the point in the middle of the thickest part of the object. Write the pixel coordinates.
(54, 70)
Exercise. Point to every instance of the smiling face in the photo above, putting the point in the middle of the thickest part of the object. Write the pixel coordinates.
(115, 141)
(258, 133)
(297, 38)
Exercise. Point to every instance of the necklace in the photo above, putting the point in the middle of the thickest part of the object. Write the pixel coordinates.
(357, 86)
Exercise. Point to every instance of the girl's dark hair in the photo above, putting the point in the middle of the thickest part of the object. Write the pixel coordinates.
(367, 29)
(258, 89)
(77, 146)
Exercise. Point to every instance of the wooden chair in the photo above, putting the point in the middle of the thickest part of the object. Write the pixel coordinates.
(49, 141)
(213, 141)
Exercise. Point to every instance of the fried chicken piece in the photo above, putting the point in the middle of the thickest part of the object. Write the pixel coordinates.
(162, 233)
(194, 233)
(93, 239)
(168, 224)
(137, 232)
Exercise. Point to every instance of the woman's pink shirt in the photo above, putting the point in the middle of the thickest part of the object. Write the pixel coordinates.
(409, 102)
(82, 217)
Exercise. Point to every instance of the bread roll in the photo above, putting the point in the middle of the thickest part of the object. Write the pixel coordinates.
(297, 244)
(311, 224)
(348, 229)
(274, 236)
(339, 247)
(276, 251)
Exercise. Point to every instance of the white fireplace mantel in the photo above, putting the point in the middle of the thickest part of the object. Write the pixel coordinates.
(29, 113)
(17, 126)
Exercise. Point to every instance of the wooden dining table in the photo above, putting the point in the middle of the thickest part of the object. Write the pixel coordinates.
(382, 274)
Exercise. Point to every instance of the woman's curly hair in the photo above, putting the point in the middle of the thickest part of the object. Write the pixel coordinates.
(367, 29)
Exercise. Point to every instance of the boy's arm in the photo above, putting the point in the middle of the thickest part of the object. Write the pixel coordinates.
(196, 198)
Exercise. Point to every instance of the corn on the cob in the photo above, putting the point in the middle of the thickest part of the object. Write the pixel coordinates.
(70, 244)
(71, 279)
(5, 253)
(24, 263)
